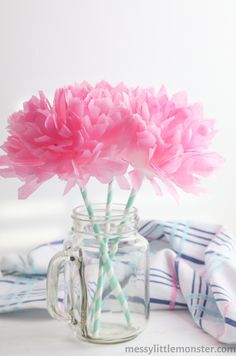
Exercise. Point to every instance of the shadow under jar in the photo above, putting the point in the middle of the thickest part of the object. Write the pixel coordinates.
(106, 276)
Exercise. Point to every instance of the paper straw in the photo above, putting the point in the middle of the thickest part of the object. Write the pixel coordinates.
(108, 202)
(128, 206)
(113, 281)
(97, 301)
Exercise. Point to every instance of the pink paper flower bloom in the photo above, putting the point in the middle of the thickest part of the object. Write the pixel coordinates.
(181, 152)
(103, 130)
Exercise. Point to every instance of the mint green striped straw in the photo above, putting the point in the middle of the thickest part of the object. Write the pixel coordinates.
(113, 281)
(97, 301)
(128, 206)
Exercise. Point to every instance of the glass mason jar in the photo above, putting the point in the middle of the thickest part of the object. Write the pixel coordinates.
(106, 276)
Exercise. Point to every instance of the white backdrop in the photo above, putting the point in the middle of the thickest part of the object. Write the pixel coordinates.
(183, 44)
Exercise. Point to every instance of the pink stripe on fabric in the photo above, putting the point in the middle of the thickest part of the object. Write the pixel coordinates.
(228, 305)
(174, 287)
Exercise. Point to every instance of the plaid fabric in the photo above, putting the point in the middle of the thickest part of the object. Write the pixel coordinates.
(192, 266)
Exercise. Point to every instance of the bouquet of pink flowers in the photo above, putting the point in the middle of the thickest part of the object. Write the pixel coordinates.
(105, 132)
(110, 133)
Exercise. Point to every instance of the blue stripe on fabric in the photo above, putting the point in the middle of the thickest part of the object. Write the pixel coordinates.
(56, 242)
(31, 286)
(200, 230)
(157, 275)
(9, 294)
(92, 282)
(227, 242)
(190, 234)
(222, 233)
(172, 234)
(193, 283)
(212, 252)
(160, 270)
(12, 282)
(166, 302)
(181, 237)
(192, 259)
(215, 266)
(34, 292)
(149, 238)
(166, 284)
(214, 314)
(230, 322)
(142, 228)
(160, 237)
(136, 299)
(149, 222)
(204, 305)
(150, 230)
(219, 244)
(182, 241)
(177, 272)
(13, 292)
(196, 295)
(195, 228)
(199, 292)
(199, 237)
(24, 275)
(221, 300)
(221, 238)
(222, 294)
(215, 285)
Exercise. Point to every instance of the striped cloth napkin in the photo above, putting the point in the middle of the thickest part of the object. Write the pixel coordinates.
(192, 266)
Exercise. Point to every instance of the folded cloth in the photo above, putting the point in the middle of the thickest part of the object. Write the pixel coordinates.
(192, 265)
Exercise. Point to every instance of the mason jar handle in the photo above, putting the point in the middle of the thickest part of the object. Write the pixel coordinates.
(52, 287)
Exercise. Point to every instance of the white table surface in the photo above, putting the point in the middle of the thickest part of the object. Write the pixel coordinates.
(35, 333)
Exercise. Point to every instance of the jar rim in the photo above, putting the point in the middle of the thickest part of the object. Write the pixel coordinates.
(117, 212)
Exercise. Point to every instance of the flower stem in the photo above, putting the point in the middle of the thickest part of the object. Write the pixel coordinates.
(106, 261)
(98, 294)
(128, 206)
(101, 275)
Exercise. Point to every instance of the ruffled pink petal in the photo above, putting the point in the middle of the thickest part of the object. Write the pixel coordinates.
(60, 105)
(206, 164)
(4, 160)
(69, 185)
(180, 99)
(146, 139)
(145, 112)
(155, 186)
(123, 182)
(7, 172)
(28, 188)
(171, 189)
(136, 178)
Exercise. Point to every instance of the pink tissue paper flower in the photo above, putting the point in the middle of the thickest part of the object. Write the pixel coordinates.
(106, 131)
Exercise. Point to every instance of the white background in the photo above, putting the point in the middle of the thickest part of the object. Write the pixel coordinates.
(183, 44)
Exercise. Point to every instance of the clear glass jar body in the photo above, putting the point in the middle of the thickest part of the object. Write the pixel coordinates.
(106, 276)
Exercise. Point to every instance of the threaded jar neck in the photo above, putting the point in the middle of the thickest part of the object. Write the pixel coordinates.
(117, 221)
